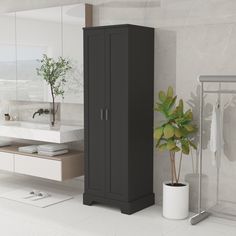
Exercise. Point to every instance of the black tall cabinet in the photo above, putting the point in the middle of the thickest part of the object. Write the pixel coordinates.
(118, 105)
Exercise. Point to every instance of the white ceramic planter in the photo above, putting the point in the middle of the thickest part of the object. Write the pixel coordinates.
(175, 201)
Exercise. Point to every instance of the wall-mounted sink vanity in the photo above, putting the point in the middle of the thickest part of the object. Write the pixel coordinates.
(57, 168)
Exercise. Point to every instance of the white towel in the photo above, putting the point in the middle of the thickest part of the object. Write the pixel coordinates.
(52, 147)
(54, 153)
(28, 149)
(216, 138)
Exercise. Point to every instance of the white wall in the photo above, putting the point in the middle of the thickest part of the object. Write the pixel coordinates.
(192, 37)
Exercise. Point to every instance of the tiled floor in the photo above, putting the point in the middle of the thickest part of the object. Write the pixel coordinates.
(72, 218)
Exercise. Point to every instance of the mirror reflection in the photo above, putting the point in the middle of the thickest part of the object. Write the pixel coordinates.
(7, 57)
(55, 31)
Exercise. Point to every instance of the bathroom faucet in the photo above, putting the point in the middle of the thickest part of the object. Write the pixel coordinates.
(40, 112)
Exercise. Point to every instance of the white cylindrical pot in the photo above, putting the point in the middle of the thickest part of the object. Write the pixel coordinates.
(175, 201)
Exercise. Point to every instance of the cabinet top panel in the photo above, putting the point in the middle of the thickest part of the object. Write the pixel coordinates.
(117, 26)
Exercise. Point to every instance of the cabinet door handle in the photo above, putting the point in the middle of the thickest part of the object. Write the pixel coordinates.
(106, 114)
(101, 114)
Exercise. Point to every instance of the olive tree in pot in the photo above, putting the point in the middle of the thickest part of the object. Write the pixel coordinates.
(174, 135)
(54, 72)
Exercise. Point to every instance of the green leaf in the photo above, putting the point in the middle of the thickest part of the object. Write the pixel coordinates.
(172, 115)
(170, 92)
(162, 96)
(170, 144)
(178, 133)
(180, 107)
(188, 115)
(158, 132)
(184, 132)
(169, 103)
(169, 131)
(173, 102)
(162, 147)
(175, 149)
(185, 147)
(190, 128)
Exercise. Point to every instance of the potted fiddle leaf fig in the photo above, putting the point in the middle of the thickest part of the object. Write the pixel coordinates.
(174, 135)
(54, 72)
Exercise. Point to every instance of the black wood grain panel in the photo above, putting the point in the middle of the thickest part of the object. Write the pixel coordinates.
(141, 85)
(117, 102)
(94, 102)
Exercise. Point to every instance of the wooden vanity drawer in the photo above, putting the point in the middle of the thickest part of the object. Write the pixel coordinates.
(39, 167)
(6, 161)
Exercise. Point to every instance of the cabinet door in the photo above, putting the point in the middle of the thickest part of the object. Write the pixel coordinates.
(117, 104)
(94, 74)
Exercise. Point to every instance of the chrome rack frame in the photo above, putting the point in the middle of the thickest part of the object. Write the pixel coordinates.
(203, 214)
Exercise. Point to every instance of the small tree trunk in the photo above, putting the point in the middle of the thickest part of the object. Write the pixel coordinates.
(172, 170)
(53, 112)
(174, 167)
(180, 164)
(53, 108)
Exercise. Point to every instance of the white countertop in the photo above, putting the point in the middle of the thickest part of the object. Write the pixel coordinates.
(42, 132)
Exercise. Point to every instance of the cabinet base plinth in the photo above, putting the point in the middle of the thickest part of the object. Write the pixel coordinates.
(125, 207)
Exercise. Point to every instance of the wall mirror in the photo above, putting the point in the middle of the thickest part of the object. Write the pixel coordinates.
(7, 57)
(55, 31)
